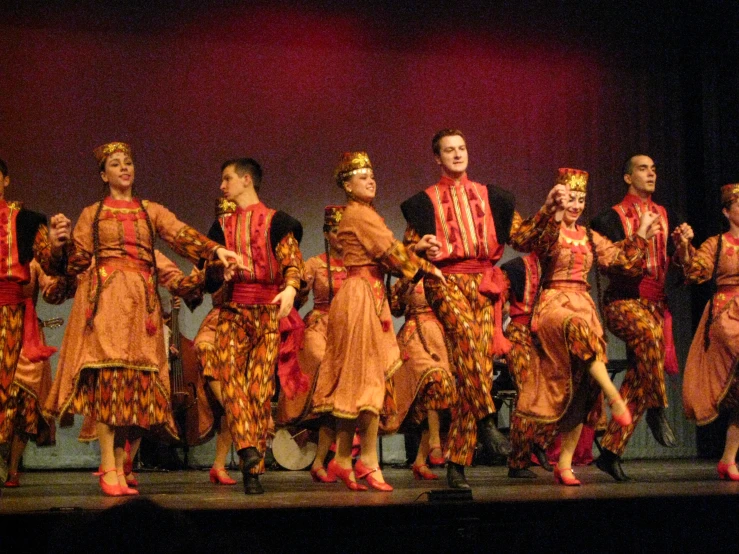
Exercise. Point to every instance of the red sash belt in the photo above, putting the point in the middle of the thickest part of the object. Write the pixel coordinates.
(493, 285)
(12, 294)
(652, 290)
(254, 293)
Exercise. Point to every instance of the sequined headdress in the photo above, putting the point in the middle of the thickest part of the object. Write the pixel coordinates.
(101, 153)
(575, 179)
(350, 164)
(332, 216)
(729, 193)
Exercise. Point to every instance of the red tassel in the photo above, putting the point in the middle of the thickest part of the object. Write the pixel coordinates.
(33, 348)
(151, 329)
(386, 324)
(671, 365)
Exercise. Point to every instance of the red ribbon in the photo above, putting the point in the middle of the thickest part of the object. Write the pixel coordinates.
(493, 285)
(292, 380)
(33, 348)
(652, 290)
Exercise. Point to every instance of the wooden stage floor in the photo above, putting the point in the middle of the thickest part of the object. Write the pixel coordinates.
(671, 505)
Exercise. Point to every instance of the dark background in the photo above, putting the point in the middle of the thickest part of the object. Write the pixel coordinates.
(534, 85)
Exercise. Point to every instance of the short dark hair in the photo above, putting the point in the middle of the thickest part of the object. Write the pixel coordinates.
(628, 165)
(3, 168)
(440, 135)
(243, 166)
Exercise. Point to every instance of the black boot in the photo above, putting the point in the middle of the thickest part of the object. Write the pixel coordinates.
(455, 476)
(521, 473)
(660, 428)
(491, 438)
(541, 457)
(249, 458)
(611, 464)
(252, 484)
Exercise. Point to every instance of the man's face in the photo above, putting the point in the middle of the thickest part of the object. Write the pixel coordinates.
(4, 182)
(233, 186)
(643, 176)
(452, 157)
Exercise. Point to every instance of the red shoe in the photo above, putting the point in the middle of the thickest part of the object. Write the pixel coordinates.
(128, 491)
(564, 479)
(13, 480)
(436, 459)
(423, 473)
(318, 478)
(131, 480)
(220, 477)
(722, 468)
(334, 470)
(364, 472)
(108, 489)
(624, 418)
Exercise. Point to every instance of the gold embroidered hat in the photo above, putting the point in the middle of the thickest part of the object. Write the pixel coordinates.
(575, 179)
(350, 164)
(332, 215)
(102, 152)
(729, 193)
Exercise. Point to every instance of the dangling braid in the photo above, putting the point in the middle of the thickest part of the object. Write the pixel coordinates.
(327, 249)
(598, 286)
(95, 252)
(150, 225)
(714, 287)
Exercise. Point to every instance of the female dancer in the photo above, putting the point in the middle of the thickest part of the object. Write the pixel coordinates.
(711, 381)
(113, 364)
(572, 355)
(324, 275)
(361, 351)
(424, 384)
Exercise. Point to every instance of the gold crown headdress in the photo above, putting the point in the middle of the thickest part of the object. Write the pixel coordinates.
(350, 164)
(102, 152)
(729, 193)
(332, 216)
(575, 179)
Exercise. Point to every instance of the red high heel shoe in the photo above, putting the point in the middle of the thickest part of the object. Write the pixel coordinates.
(126, 489)
(624, 418)
(107, 488)
(364, 472)
(13, 480)
(318, 478)
(563, 479)
(219, 476)
(131, 480)
(722, 468)
(423, 473)
(436, 459)
(335, 470)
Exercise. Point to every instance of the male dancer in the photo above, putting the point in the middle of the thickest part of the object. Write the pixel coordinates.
(18, 323)
(636, 312)
(257, 298)
(462, 227)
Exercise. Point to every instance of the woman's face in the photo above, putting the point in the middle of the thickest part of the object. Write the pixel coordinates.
(118, 172)
(362, 186)
(574, 206)
(332, 237)
(732, 214)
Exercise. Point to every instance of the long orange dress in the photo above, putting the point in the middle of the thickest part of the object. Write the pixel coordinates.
(567, 327)
(310, 355)
(710, 382)
(361, 351)
(114, 338)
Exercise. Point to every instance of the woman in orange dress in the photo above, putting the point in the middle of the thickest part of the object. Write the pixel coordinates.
(361, 351)
(113, 364)
(424, 384)
(572, 372)
(323, 275)
(711, 380)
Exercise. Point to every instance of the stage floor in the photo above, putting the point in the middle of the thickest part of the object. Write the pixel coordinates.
(675, 504)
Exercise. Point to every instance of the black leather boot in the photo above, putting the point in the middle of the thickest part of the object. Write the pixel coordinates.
(611, 464)
(521, 473)
(455, 476)
(657, 422)
(249, 457)
(252, 484)
(491, 438)
(541, 457)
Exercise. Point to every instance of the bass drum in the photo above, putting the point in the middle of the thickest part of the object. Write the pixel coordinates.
(293, 452)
